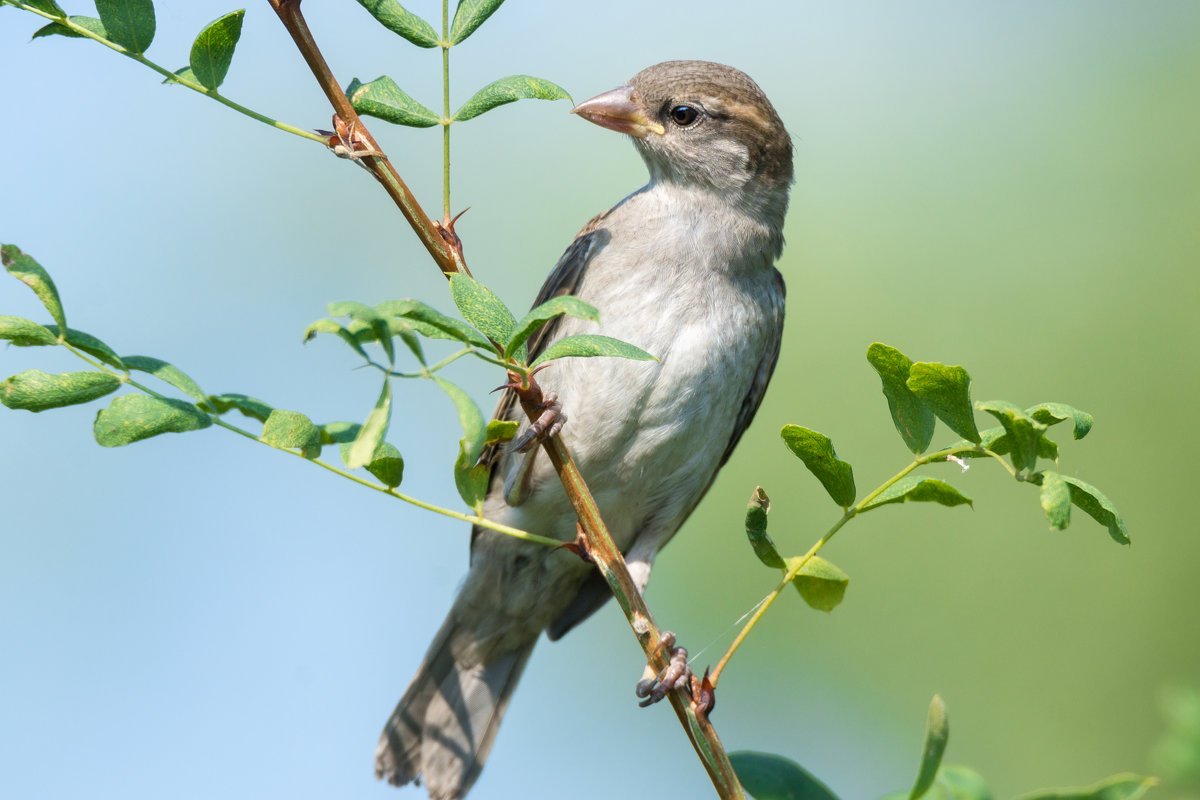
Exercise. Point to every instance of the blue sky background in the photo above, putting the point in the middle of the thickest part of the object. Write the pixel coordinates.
(1010, 186)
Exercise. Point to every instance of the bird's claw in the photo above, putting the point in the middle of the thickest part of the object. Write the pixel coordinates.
(549, 423)
(347, 142)
(676, 675)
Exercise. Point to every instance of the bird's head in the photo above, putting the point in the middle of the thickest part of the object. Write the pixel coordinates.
(702, 124)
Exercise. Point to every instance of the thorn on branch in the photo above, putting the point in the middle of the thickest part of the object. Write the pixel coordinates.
(580, 546)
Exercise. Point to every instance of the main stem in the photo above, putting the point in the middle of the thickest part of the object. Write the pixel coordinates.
(445, 113)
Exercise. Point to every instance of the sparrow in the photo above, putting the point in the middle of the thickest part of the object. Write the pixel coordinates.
(684, 269)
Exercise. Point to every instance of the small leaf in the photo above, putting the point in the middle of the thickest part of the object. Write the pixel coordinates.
(373, 430)
(342, 434)
(539, 316)
(25, 333)
(587, 345)
(1125, 786)
(1056, 500)
(294, 430)
(767, 776)
(89, 24)
(508, 90)
(133, 417)
(48, 6)
(387, 465)
(382, 98)
(34, 390)
(31, 273)
(90, 345)
(1024, 434)
(366, 316)
(406, 331)
(212, 52)
(249, 406)
(756, 530)
(399, 20)
(952, 782)
(470, 477)
(481, 307)
(913, 420)
(354, 339)
(947, 392)
(167, 373)
(918, 490)
(500, 430)
(937, 734)
(181, 75)
(469, 15)
(1054, 413)
(130, 23)
(1098, 507)
(433, 323)
(820, 583)
(817, 453)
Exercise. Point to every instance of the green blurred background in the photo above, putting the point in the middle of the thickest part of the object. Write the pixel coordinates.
(1013, 186)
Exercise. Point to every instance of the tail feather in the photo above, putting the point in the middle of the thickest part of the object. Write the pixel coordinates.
(444, 725)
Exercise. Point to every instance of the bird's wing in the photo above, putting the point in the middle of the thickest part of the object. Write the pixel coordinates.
(595, 592)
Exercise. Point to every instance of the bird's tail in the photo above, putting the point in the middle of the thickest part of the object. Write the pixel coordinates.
(444, 725)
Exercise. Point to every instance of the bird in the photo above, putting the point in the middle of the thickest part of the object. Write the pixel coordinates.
(682, 268)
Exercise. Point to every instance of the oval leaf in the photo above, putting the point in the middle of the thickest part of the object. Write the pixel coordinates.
(1098, 507)
(756, 530)
(469, 15)
(1053, 413)
(1125, 786)
(133, 417)
(820, 583)
(770, 777)
(387, 465)
(399, 20)
(508, 90)
(918, 490)
(212, 52)
(1024, 436)
(947, 392)
(130, 23)
(481, 307)
(25, 333)
(816, 451)
(167, 373)
(432, 323)
(540, 315)
(382, 98)
(588, 345)
(373, 430)
(89, 24)
(1056, 500)
(366, 316)
(914, 421)
(90, 345)
(31, 273)
(34, 390)
(249, 406)
(292, 429)
(937, 734)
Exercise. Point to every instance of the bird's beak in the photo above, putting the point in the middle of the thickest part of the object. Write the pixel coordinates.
(619, 110)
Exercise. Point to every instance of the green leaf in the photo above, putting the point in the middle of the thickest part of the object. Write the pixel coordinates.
(1024, 434)
(366, 316)
(373, 430)
(1125, 786)
(756, 530)
(820, 583)
(481, 308)
(354, 339)
(249, 406)
(25, 333)
(387, 465)
(920, 490)
(133, 417)
(130, 23)
(382, 98)
(167, 373)
(767, 776)
(48, 6)
(34, 390)
(509, 90)
(294, 430)
(1056, 500)
(182, 74)
(31, 273)
(470, 477)
(937, 734)
(90, 24)
(586, 345)
(212, 52)
(947, 392)
(342, 434)
(500, 430)
(1053, 413)
(399, 20)
(817, 453)
(539, 316)
(432, 323)
(1098, 507)
(914, 421)
(90, 345)
(406, 331)
(952, 783)
(469, 15)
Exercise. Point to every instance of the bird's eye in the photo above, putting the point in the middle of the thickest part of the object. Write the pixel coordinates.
(683, 115)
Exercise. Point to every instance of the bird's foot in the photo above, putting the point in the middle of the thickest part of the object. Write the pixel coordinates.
(347, 142)
(548, 423)
(677, 675)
